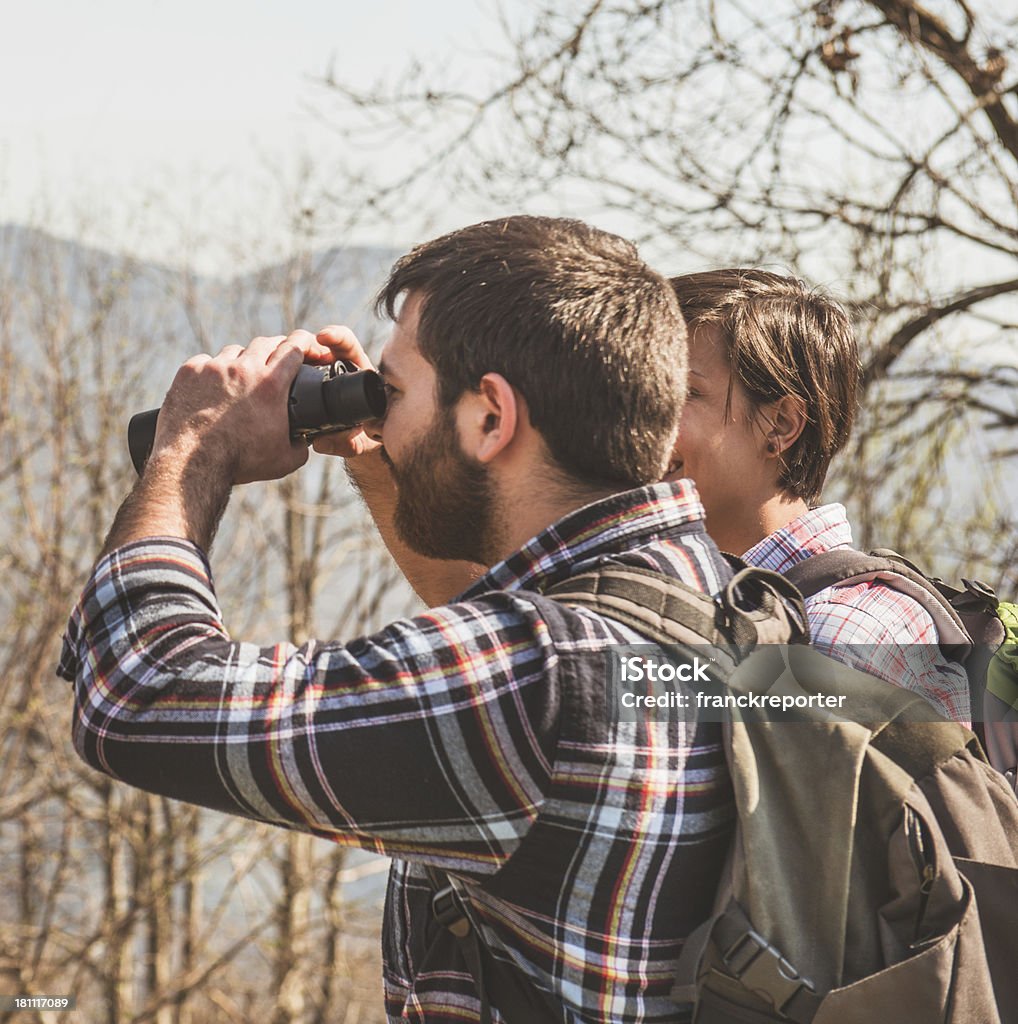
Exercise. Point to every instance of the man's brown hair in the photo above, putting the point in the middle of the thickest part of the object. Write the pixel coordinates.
(573, 319)
(783, 338)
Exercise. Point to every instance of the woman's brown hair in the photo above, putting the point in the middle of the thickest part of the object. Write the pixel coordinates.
(783, 338)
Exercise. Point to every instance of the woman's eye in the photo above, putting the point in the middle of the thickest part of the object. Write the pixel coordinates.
(390, 390)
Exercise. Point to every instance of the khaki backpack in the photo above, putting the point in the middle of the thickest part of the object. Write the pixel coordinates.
(874, 871)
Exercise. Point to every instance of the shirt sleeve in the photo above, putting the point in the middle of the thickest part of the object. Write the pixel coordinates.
(881, 631)
(433, 739)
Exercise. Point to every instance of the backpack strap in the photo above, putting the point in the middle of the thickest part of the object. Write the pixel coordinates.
(498, 983)
(845, 566)
(448, 910)
(1000, 702)
(974, 603)
(756, 606)
(752, 961)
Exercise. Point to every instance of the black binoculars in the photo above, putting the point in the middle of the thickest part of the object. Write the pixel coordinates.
(323, 400)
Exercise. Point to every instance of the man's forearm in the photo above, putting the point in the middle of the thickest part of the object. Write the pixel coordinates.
(436, 581)
(178, 496)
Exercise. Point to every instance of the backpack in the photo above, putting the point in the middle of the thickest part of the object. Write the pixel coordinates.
(757, 606)
(968, 626)
(874, 871)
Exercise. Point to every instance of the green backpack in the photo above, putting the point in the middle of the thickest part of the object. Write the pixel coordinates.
(1001, 700)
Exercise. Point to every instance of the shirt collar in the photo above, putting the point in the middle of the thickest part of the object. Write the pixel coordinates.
(613, 524)
(820, 529)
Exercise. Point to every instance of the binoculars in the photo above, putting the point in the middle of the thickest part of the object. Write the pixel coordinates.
(322, 400)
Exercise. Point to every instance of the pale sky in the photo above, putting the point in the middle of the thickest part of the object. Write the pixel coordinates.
(105, 99)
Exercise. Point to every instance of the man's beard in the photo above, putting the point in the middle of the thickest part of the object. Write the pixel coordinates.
(444, 500)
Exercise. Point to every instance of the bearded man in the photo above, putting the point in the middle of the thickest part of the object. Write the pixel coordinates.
(532, 379)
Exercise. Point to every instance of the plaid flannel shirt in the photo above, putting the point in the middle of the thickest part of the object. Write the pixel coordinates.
(868, 625)
(475, 737)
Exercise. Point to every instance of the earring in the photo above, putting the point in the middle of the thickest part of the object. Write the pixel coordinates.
(772, 448)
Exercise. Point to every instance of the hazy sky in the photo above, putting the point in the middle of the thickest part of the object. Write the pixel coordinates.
(104, 99)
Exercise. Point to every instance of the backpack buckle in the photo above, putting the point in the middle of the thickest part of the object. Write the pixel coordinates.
(446, 908)
(763, 970)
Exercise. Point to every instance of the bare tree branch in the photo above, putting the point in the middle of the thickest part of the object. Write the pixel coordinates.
(892, 350)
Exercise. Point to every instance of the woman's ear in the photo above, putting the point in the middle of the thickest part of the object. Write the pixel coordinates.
(785, 420)
(489, 417)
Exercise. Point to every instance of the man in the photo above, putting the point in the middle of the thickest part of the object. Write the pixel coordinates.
(532, 378)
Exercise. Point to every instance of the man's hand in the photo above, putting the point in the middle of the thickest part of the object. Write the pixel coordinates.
(342, 343)
(224, 421)
(233, 408)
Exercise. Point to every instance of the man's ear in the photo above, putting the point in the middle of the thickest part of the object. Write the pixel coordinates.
(785, 420)
(489, 417)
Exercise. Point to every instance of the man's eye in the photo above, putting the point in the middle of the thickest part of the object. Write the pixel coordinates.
(390, 390)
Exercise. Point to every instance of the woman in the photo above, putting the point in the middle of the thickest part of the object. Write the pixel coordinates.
(773, 376)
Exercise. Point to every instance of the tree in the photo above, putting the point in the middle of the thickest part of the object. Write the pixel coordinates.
(145, 909)
(97, 873)
(867, 144)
